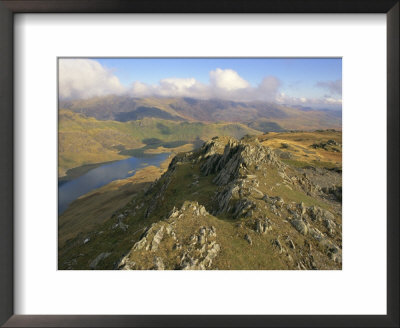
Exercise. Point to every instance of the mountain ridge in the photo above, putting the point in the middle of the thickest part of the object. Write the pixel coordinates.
(232, 204)
(124, 108)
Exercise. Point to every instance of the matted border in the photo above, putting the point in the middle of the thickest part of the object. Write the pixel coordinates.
(9, 7)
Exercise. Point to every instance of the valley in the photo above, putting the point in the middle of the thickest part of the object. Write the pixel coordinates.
(85, 140)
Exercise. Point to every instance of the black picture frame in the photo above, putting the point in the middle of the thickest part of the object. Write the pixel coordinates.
(10, 7)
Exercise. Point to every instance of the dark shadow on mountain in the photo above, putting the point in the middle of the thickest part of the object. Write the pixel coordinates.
(142, 112)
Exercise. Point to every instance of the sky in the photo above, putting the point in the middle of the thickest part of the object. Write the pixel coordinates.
(311, 82)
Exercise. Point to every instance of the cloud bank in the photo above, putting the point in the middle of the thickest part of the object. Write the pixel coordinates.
(85, 78)
(224, 84)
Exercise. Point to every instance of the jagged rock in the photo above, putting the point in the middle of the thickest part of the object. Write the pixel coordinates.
(177, 246)
(174, 213)
(168, 229)
(212, 232)
(278, 244)
(236, 157)
(223, 198)
(188, 263)
(300, 226)
(266, 199)
(263, 225)
(279, 202)
(315, 213)
(248, 239)
(316, 234)
(243, 207)
(158, 263)
(140, 244)
(291, 244)
(330, 225)
(336, 191)
(302, 208)
(97, 260)
(193, 239)
(126, 264)
(157, 238)
(212, 254)
(328, 216)
(301, 266)
(333, 251)
(203, 210)
(201, 239)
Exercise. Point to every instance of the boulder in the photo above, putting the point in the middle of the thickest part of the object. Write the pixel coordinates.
(248, 239)
(300, 226)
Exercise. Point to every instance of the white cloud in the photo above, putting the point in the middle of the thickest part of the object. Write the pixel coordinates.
(171, 87)
(227, 79)
(224, 84)
(85, 78)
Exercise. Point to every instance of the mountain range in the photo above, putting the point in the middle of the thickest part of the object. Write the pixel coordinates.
(269, 116)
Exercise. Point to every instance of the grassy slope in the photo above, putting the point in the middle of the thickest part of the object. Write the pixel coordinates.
(306, 120)
(299, 144)
(85, 140)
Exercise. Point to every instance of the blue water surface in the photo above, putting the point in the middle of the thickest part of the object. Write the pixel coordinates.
(102, 175)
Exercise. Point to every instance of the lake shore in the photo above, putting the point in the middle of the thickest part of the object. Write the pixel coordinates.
(96, 206)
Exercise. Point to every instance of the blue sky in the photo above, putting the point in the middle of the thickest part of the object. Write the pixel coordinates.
(298, 76)
(293, 81)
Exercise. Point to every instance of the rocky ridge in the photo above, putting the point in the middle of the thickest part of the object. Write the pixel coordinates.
(230, 196)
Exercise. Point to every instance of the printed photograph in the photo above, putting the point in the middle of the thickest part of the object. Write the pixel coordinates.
(199, 163)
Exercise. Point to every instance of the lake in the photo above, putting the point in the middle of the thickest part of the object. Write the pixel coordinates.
(102, 175)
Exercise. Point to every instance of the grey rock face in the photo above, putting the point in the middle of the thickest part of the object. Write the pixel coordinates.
(236, 158)
(243, 208)
(157, 238)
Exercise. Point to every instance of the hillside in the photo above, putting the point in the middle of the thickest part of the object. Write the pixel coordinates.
(85, 140)
(275, 117)
(254, 203)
